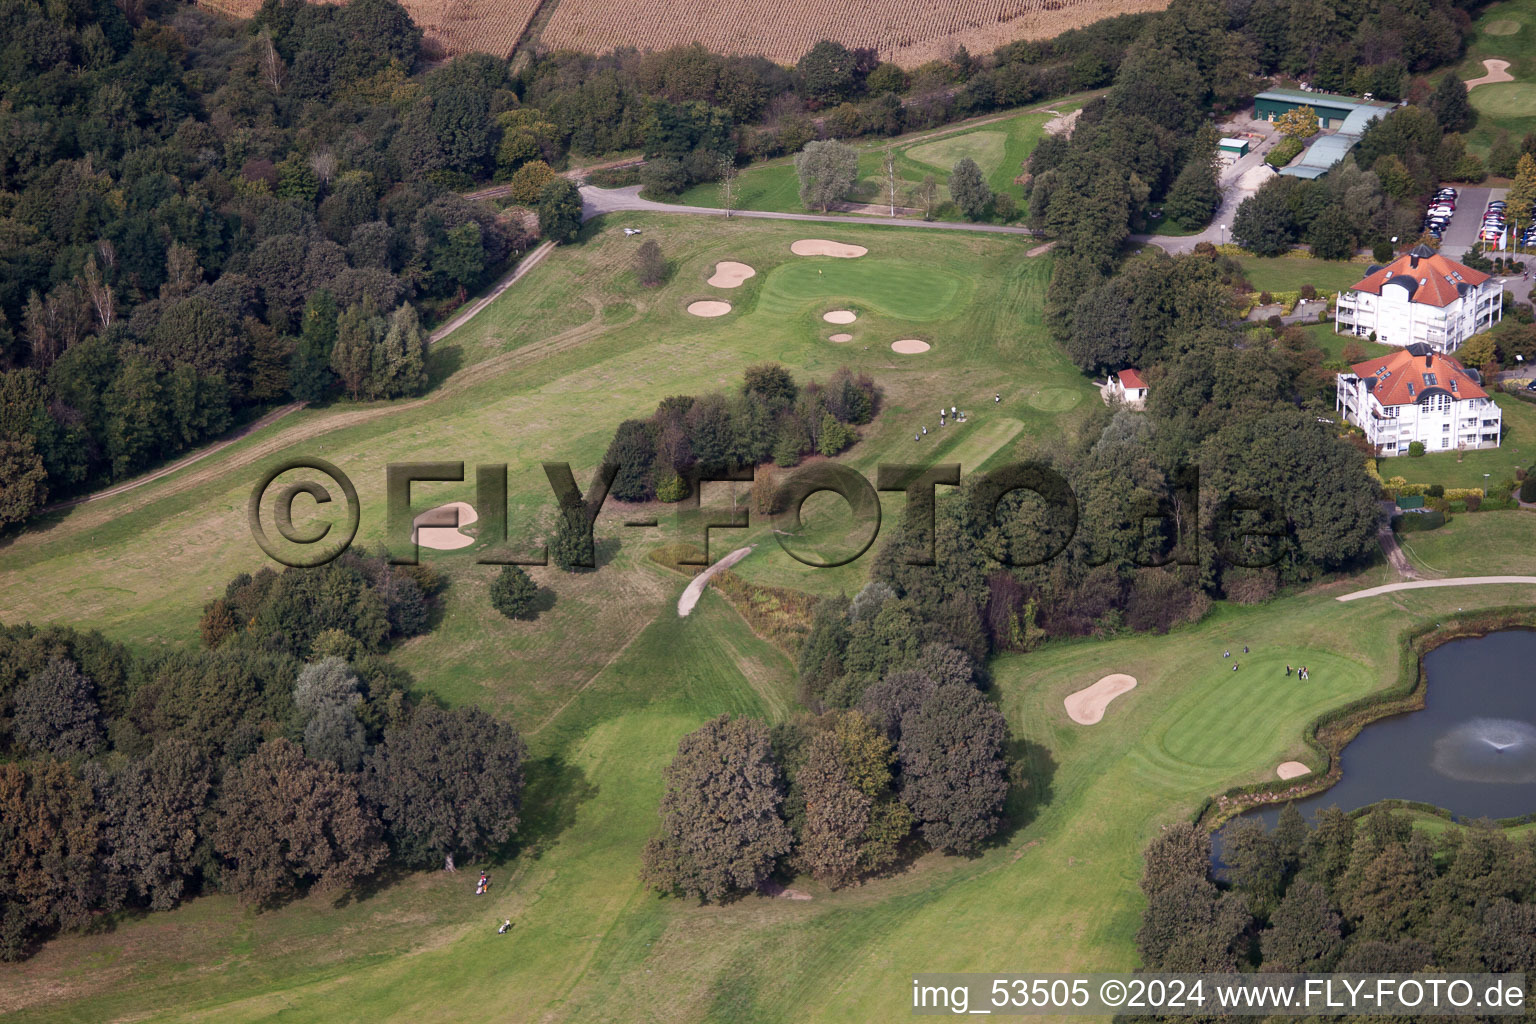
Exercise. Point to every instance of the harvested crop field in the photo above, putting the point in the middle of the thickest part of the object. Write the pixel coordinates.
(907, 33)
(447, 26)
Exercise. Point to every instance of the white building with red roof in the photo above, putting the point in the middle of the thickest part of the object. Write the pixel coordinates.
(1421, 298)
(1418, 395)
(1126, 387)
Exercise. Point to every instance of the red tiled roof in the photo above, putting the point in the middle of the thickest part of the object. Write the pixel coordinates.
(1399, 377)
(1436, 277)
(1130, 379)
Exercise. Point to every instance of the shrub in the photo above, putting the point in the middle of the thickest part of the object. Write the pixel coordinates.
(1308, 292)
(663, 176)
(1284, 152)
(1418, 522)
(513, 593)
(1415, 449)
(672, 488)
(529, 180)
(1382, 252)
(1473, 503)
(1265, 298)
(1436, 490)
(1528, 489)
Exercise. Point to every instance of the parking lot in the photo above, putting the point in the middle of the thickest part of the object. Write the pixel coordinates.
(1461, 233)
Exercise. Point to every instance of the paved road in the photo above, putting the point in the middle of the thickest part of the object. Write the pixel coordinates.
(595, 202)
(507, 280)
(1459, 581)
(1232, 195)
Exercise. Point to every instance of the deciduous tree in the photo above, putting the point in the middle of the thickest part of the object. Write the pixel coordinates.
(447, 782)
(968, 188)
(827, 170)
(952, 772)
(287, 823)
(722, 828)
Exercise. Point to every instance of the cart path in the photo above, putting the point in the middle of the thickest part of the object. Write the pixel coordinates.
(595, 202)
(1458, 581)
(695, 589)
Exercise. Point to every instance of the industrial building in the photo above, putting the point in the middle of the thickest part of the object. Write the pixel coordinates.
(1345, 116)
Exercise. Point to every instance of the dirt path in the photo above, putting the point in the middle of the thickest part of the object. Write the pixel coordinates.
(695, 589)
(163, 471)
(527, 263)
(1495, 70)
(1458, 581)
(595, 202)
(1395, 556)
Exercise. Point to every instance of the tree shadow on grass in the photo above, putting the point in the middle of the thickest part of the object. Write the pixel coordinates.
(364, 889)
(442, 362)
(1032, 770)
(543, 601)
(555, 792)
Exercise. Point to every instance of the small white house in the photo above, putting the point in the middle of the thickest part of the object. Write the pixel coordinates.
(1418, 395)
(1421, 298)
(1128, 388)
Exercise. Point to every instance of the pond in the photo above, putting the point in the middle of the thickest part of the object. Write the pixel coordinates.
(1471, 750)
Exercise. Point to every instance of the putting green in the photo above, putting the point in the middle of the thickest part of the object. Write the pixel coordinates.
(1506, 99)
(896, 288)
(986, 148)
(1201, 732)
(1501, 27)
(1055, 399)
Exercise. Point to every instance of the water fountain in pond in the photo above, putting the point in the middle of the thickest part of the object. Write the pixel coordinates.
(1488, 750)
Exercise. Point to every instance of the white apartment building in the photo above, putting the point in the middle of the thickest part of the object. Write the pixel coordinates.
(1421, 298)
(1418, 395)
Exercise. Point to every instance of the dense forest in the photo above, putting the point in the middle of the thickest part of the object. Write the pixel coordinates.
(199, 218)
(286, 757)
(1367, 894)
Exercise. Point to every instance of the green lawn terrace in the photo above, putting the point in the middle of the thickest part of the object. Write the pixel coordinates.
(999, 143)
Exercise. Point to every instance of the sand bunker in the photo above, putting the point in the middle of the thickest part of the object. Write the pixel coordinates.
(709, 307)
(695, 589)
(1086, 707)
(909, 346)
(840, 316)
(729, 274)
(1292, 770)
(840, 338)
(823, 247)
(1496, 71)
(438, 528)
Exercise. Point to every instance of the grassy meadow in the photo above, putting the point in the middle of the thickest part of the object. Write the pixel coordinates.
(608, 678)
